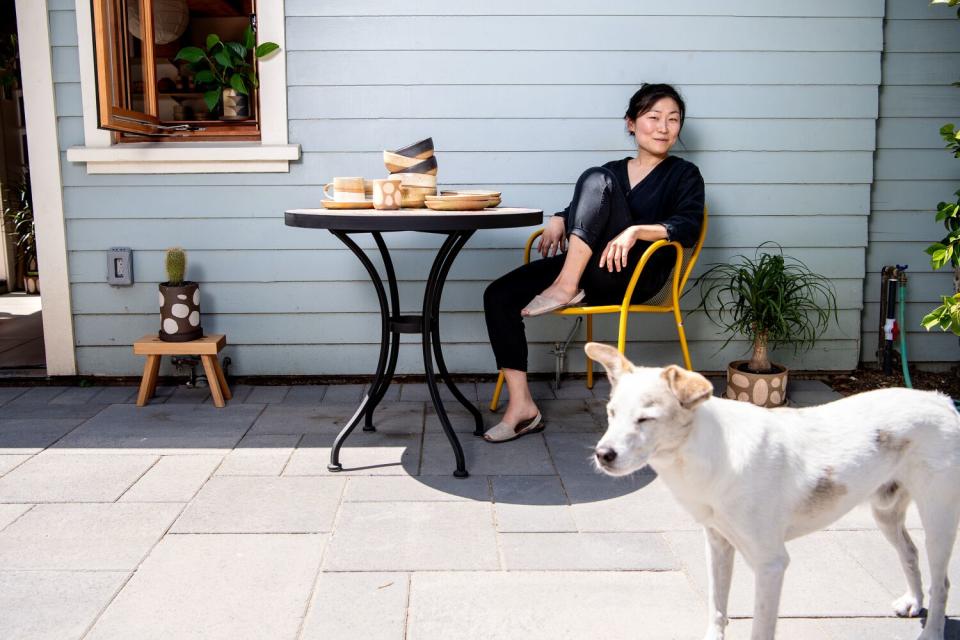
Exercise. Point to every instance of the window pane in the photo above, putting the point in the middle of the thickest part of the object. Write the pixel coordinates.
(122, 91)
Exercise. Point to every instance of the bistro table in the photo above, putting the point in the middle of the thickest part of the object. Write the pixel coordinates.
(457, 226)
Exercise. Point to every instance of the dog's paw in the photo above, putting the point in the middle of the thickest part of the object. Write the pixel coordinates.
(907, 606)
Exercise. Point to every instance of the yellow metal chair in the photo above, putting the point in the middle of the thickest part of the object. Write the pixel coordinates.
(664, 301)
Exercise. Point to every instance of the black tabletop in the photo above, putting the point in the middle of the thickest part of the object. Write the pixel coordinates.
(412, 219)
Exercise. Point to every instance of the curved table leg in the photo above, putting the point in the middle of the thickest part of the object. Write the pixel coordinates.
(378, 392)
(430, 304)
(362, 410)
(461, 240)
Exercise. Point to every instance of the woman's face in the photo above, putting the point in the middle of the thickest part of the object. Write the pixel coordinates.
(657, 130)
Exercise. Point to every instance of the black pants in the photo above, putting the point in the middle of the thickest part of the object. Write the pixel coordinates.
(597, 214)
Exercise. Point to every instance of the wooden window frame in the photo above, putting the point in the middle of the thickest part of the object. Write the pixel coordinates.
(113, 102)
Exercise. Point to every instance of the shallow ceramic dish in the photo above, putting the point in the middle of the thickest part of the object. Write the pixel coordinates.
(427, 166)
(472, 192)
(456, 205)
(420, 149)
(336, 204)
(458, 198)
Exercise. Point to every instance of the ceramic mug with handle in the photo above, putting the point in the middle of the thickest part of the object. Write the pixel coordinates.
(345, 190)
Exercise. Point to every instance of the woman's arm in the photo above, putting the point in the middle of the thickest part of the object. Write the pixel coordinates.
(683, 225)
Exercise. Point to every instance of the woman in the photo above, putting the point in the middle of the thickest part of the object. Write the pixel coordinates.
(591, 247)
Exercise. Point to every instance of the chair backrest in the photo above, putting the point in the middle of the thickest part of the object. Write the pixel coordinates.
(690, 255)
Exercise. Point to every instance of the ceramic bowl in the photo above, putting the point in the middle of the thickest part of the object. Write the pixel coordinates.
(394, 162)
(421, 149)
(426, 166)
(424, 180)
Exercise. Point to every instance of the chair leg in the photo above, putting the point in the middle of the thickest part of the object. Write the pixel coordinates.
(495, 402)
(683, 344)
(589, 361)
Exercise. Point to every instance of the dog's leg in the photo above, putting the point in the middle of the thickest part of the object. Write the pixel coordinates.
(719, 573)
(889, 510)
(769, 570)
(939, 519)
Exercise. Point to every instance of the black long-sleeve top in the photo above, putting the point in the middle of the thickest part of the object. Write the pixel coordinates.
(672, 194)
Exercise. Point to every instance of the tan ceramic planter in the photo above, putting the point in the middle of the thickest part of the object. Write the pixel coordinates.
(762, 389)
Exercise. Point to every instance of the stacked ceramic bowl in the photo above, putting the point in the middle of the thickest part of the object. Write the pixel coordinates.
(416, 167)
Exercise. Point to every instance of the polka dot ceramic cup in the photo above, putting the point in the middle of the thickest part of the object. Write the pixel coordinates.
(386, 194)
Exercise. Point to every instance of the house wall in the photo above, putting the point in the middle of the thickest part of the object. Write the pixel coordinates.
(782, 105)
(913, 170)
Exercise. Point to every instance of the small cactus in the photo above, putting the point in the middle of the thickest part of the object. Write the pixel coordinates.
(176, 266)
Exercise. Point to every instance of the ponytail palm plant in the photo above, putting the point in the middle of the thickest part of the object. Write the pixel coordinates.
(770, 299)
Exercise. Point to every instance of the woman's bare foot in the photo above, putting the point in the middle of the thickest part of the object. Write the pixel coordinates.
(518, 411)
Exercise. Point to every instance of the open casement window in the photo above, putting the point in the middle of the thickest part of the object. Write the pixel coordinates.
(143, 92)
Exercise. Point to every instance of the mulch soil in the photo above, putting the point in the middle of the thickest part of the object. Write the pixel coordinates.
(947, 382)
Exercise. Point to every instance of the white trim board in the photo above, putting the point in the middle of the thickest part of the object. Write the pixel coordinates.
(41, 122)
(271, 155)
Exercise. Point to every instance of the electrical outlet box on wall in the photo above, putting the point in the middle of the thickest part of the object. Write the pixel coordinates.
(120, 266)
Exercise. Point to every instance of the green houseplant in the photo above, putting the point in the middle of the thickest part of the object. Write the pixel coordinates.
(225, 71)
(18, 215)
(179, 301)
(947, 250)
(773, 301)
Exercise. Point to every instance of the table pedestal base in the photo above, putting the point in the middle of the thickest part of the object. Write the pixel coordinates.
(392, 325)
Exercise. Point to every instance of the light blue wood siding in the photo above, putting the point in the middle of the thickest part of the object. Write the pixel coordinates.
(782, 106)
(913, 171)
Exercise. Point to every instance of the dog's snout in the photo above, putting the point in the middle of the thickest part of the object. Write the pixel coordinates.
(606, 454)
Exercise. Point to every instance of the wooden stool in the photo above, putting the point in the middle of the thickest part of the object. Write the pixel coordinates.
(206, 347)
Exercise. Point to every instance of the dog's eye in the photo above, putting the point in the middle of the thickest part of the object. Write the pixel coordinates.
(639, 420)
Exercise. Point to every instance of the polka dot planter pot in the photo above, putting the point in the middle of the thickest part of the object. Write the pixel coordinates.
(180, 312)
(762, 389)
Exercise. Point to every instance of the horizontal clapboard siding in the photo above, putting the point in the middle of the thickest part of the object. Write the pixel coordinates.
(912, 170)
(782, 107)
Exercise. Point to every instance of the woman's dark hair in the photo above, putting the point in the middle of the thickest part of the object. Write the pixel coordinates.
(648, 95)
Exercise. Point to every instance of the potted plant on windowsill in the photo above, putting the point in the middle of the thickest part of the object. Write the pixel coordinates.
(18, 214)
(179, 301)
(225, 72)
(773, 301)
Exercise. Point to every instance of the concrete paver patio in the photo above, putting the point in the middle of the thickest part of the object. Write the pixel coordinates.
(181, 520)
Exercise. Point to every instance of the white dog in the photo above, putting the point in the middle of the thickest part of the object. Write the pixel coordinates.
(755, 478)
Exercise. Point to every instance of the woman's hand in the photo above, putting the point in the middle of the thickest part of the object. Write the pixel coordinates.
(554, 238)
(614, 255)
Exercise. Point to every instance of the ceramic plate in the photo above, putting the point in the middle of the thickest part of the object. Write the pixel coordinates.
(333, 204)
(472, 192)
(458, 198)
(461, 205)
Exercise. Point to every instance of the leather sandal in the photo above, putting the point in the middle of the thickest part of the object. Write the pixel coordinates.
(541, 305)
(503, 432)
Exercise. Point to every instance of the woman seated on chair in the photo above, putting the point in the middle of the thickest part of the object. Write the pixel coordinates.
(590, 248)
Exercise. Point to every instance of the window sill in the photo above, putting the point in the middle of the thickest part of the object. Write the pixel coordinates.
(166, 157)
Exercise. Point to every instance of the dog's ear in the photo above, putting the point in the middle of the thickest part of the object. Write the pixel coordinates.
(611, 359)
(689, 387)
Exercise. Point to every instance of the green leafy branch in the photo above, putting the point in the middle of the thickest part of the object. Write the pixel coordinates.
(947, 250)
(226, 65)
